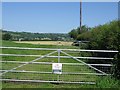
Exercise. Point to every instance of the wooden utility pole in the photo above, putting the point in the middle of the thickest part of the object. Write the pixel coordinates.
(80, 15)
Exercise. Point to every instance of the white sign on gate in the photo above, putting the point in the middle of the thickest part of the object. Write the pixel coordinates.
(57, 68)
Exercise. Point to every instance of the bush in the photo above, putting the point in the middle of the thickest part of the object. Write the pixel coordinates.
(6, 36)
(107, 37)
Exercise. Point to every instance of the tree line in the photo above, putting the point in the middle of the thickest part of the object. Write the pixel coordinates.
(28, 36)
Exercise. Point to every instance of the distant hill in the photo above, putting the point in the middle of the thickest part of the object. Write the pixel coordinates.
(28, 36)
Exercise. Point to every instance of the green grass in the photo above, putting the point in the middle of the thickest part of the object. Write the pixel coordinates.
(10, 43)
(101, 81)
(107, 82)
(45, 85)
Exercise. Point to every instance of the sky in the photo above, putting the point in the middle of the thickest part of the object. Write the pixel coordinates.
(55, 17)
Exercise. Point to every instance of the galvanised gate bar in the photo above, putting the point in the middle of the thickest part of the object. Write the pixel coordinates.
(56, 66)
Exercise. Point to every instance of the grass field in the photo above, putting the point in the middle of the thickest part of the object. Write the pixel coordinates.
(105, 82)
(47, 42)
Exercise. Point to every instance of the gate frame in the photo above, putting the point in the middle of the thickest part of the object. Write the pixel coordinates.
(48, 55)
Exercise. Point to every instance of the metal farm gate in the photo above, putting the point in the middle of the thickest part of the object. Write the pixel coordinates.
(58, 66)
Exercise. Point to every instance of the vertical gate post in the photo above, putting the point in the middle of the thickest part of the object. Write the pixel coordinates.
(59, 55)
(58, 76)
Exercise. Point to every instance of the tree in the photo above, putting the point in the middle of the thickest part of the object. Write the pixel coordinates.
(84, 36)
(73, 34)
(6, 36)
(76, 33)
